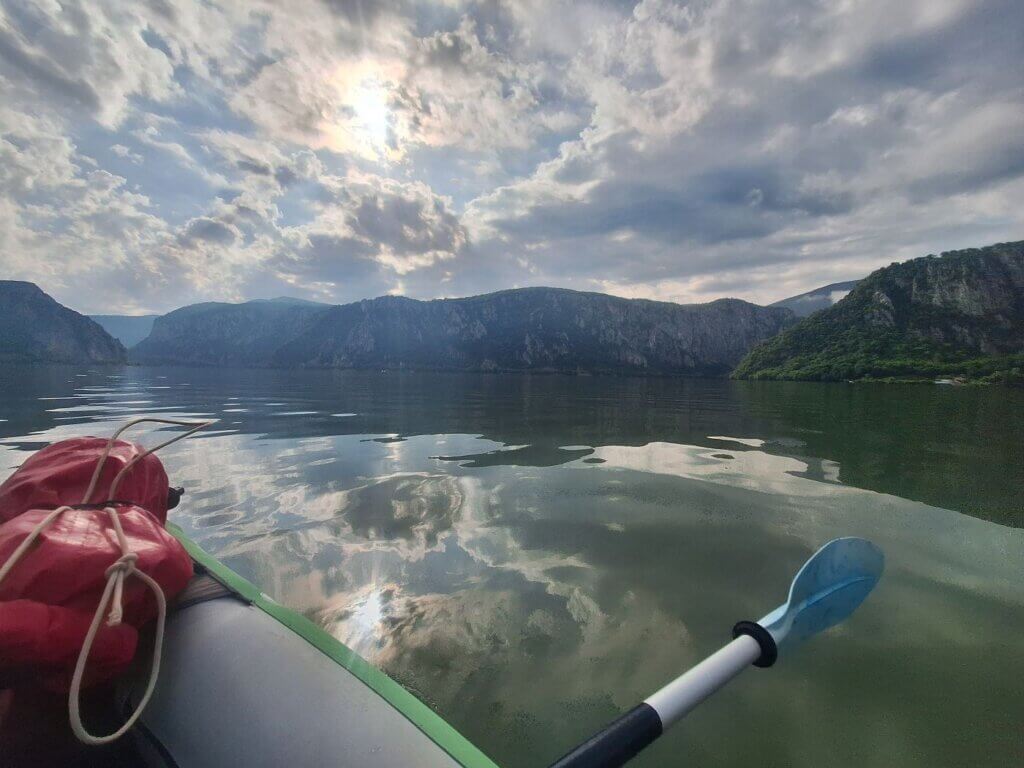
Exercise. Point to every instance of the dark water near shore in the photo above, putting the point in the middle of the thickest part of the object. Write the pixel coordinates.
(533, 554)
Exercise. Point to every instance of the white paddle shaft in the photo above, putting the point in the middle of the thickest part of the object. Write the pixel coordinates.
(827, 589)
(696, 684)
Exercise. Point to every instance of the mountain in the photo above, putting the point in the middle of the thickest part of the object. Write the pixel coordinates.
(961, 313)
(290, 301)
(128, 329)
(132, 329)
(820, 298)
(544, 329)
(216, 333)
(35, 328)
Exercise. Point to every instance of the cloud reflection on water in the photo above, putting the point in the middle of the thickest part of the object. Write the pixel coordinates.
(530, 594)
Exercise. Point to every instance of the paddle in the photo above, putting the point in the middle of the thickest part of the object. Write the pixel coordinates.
(826, 590)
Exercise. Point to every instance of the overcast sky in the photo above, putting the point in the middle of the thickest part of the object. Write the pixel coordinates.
(154, 154)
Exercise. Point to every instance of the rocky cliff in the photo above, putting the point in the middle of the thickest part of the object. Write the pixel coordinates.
(536, 329)
(541, 329)
(961, 312)
(35, 328)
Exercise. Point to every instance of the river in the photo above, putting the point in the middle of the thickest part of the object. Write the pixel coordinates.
(531, 555)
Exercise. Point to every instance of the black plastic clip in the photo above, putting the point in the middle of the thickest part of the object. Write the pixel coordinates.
(769, 650)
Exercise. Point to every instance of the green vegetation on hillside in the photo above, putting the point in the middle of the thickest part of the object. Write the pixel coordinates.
(961, 314)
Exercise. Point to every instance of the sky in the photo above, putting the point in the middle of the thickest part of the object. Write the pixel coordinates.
(160, 153)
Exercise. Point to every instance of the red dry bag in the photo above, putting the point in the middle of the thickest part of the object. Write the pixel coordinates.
(49, 596)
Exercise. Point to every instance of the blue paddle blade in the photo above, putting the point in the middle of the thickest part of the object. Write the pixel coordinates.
(827, 590)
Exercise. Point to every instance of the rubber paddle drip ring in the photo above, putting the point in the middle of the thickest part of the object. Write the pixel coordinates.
(769, 650)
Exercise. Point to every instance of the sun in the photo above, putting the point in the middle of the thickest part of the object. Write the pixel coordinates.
(369, 100)
(371, 116)
(362, 121)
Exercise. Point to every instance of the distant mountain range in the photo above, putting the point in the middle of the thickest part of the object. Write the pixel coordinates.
(35, 328)
(961, 313)
(132, 329)
(128, 329)
(808, 303)
(545, 329)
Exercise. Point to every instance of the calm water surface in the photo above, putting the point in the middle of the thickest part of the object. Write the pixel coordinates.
(533, 554)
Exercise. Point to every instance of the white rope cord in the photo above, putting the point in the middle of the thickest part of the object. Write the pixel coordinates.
(29, 540)
(196, 426)
(113, 591)
(116, 573)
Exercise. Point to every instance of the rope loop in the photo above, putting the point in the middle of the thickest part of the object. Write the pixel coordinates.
(125, 564)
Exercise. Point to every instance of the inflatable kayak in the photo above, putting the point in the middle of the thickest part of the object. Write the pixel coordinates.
(99, 592)
(246, 681)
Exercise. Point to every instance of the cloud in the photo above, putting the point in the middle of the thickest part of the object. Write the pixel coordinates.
(209, 231)
(166, 152)
(82, 57)
(122, 151)
(457, 91)
(372, 236)
(724, 141)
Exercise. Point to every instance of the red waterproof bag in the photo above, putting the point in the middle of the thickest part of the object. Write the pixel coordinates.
(49, 597)
(60, 474)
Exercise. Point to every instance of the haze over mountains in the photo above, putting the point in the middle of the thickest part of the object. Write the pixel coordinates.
(128, 329)
(810, 302)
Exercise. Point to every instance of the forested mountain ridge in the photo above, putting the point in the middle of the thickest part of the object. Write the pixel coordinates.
(546, 329)
(961, 313)
(521, 329)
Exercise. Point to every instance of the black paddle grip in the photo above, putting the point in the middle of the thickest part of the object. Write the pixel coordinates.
(617, 743)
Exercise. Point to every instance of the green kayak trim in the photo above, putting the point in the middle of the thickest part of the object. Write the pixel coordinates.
(419, 714)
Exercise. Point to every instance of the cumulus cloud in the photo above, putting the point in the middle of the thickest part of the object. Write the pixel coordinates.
(157, 153)
(731, 142)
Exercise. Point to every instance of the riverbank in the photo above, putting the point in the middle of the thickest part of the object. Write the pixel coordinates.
(1001, 369)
